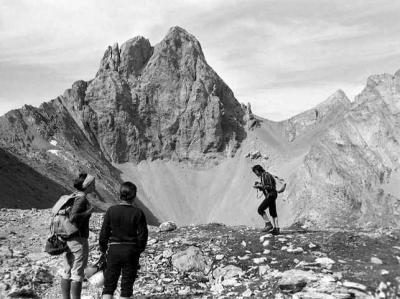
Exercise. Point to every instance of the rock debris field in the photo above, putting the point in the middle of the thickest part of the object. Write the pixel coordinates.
(215, 261)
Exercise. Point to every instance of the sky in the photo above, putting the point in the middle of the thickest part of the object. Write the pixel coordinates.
(281, 56)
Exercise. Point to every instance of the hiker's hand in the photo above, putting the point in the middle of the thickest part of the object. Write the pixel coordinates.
(257, 185)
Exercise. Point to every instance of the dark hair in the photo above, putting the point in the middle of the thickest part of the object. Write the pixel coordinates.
(127, 192)
(79, 181)
(258, 168)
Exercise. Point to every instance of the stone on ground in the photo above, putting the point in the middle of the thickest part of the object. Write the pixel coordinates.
(190, 259)
(295, 280)
(167, 226)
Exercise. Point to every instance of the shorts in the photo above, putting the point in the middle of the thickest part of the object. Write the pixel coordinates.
(269, 202)
(75, 259)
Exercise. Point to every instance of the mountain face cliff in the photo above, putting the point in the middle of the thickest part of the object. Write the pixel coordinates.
(157, 102)
(161, 117)
(351, 169)
(145, 102)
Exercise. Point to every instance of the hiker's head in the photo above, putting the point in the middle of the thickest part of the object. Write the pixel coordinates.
(127, 192)
(85, 183)
(258, 169)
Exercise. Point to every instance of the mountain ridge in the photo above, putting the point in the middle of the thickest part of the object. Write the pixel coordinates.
(161, 116)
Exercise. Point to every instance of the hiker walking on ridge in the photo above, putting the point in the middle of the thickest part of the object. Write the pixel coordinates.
(267, 186)
(123, 237)
(76, 257)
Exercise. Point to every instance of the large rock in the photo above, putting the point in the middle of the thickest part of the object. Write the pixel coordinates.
(167, 226)
(190, 259)
(227, 272)
(295, 280)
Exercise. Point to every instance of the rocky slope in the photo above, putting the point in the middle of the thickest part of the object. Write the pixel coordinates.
(216, 261)
(340, 161)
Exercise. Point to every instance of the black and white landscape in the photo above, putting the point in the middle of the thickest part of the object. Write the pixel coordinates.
(159, 115)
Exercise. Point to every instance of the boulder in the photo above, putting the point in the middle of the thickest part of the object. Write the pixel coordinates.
(167, 226)
(295, 280)
(190, 259)
(227, 272)
(376, 260)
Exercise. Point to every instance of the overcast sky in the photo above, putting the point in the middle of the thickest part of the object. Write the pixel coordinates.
(281, 56)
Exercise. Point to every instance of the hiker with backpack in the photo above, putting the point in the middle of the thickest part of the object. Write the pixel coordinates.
(123, 237)
(78, 211)
(267, 186)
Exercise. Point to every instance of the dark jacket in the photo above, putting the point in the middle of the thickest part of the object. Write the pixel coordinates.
(80, 214)
(268, 182)
(124, 223)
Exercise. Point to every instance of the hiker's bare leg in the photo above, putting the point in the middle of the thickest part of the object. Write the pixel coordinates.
(275, 222)
(265, 217)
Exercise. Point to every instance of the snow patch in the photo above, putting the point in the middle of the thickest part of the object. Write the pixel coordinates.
(54, 152)
(53, 142)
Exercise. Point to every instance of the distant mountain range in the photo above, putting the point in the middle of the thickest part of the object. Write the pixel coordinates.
(161, 117)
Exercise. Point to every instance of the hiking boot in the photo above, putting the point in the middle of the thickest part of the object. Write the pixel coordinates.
(275, 231)
(76, 289)
(66, 288)
(268, 227)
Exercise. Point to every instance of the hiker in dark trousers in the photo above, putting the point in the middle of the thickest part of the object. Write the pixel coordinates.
(267, 186)
(123, 238)
(76, 257)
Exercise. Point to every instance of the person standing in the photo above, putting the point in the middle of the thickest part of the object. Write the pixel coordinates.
(76, 257)
(267, 186)
(123, 237)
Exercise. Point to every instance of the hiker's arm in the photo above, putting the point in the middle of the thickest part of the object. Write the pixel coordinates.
(75, 215)
(142, 231)
(105, 233)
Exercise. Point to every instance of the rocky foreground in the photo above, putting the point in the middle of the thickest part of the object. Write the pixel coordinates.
(216, 261)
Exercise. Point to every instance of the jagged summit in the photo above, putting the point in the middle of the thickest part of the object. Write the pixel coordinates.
(127, 60)
(324, 112)
(382, 88)
(133, 55)
(337, 98)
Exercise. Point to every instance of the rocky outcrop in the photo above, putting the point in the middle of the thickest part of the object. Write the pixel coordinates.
(346, 172)
(145, 102)
(159, 102)
(326, 111)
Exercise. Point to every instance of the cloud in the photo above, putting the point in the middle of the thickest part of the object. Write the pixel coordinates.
(284, 50)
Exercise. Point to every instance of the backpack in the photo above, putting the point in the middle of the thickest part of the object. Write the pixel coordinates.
(280, 184)
(60, 225)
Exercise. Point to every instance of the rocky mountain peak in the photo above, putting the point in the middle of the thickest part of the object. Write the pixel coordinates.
(179, 37)
(334, 105)
(161, 101)
(338, 98)
(381, 88)
(129, 59)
